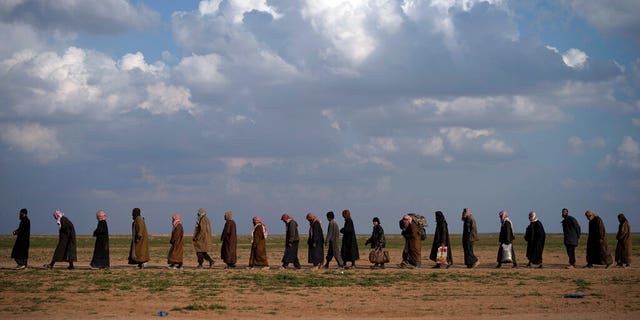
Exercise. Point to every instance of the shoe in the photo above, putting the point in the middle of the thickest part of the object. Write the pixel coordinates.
(475, 264)
(498, 266)
(540, 266)
(141, 265)
(315, 268)
(515, 265)
(448, 266)
(249, 268)
(71, 268)
(47, 266)
(529, 265)
(589, 266)
(211, 264)
(607, 266)
(171, 267)
(437, 266)
(179, 268)
(21, 267)
(266, 268)
(570, 267)
(199, 266)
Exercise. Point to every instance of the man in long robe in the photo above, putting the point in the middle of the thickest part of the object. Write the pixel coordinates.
(411, 253)
(176, 252)
(258, 255)
(506, 237)
(623, 247)
(20, 251)
(139, 251)
(291, 242)
(349, 249)
(571, 231)
(333, 236)
(100, 259)
(315, 241)
(535, 237)
(469, 236)
(229, 241)
(66, 248)
(202, 239)
(441, 239)
(597, 246)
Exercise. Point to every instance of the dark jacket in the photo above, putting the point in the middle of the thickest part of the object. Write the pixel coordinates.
(377, 239)
(571, 230)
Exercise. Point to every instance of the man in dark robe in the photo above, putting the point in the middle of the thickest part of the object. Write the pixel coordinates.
(506, 237)
(349, 249)
(469, 236)
(571, 231)
(291, 242)
(441, 239)
(139, 250)
(258, 255)
(535, 237)
(315, 241)
(20, 252)
(412, 244)
(623, 248)
(66, 248)
(100, 259)
(229, 241)
(597, 246)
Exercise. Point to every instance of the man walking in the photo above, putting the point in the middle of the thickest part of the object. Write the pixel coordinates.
(571, 230)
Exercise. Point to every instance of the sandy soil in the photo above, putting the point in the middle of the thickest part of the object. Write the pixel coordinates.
(455, 293)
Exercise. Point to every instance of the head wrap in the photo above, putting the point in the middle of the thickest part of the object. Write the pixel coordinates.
(466, 212)
(504, 216)
(176, 220)
(58, 215)
(285, 217)
(201, 213)
(532, 216)
(228, 215)
(256, 223)
(101, 215)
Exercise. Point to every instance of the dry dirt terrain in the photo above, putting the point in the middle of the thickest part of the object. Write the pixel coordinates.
(456, 293)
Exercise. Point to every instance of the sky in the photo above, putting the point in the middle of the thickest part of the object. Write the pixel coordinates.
(264, 107)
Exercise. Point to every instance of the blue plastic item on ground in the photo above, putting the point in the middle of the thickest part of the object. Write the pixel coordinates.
(574, 295)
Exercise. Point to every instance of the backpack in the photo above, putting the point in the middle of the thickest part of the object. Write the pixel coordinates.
(421, 221)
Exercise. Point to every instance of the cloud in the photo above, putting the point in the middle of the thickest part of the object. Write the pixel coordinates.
(636, 122)
(105, 17)
(574, 58)
(37, 141)
(577, 145)
(628, 155)
(202, 72)
(131, 61)
(495, 146)
(166, 99)
(619, 18)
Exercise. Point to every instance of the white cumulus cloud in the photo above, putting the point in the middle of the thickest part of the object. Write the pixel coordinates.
(166, 99)
(574, 58)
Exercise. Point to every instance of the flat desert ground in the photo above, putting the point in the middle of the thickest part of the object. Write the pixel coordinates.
(485, 292)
